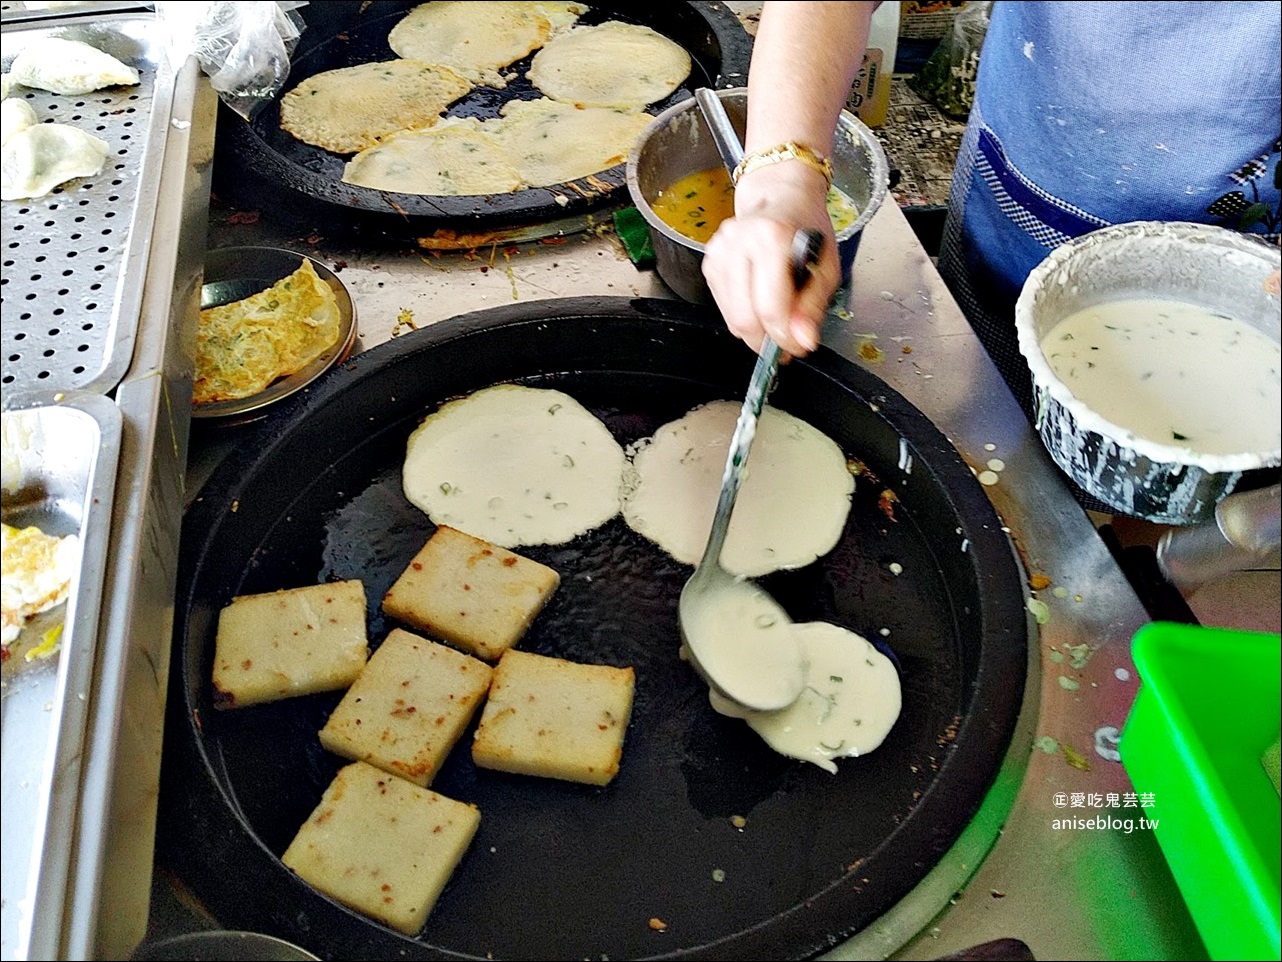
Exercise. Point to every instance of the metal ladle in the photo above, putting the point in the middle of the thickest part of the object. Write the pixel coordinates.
(734, 631)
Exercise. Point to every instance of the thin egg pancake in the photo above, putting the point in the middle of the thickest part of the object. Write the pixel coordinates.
(456, 157)
(477, 39)
(349, 109)
(550, 142)
(614, 64)
(244, 346)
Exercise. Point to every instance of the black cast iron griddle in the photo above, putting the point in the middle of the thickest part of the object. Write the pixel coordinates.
(565, 871)
(272, 169)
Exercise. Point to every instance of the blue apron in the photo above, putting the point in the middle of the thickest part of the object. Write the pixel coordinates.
(1090, 114)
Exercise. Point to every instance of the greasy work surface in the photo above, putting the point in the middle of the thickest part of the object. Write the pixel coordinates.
(276, 170)
(582, 871)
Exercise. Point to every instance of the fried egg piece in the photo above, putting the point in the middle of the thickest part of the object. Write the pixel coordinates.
(244, 346)
(37, 571)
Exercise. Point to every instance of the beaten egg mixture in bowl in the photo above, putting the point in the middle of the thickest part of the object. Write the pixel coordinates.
(679, 184)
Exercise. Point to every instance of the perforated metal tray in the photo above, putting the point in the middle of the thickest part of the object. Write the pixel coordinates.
(73, 262)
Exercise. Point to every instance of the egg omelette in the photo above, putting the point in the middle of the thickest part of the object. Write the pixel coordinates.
(244, 346)
(37, 570)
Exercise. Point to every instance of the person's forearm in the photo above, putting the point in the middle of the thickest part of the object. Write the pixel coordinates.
(804, 60)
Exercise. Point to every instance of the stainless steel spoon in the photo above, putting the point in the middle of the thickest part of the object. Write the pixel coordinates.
(735, 633)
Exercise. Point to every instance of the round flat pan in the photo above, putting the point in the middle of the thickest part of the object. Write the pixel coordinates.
(272, 169)
(565, 871)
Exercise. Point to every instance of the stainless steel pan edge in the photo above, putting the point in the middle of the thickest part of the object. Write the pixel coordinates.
(111, 885)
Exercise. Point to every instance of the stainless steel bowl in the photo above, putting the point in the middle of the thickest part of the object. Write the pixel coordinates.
(234, 273)
(1217, 269)
(219, 946)
(678, 142)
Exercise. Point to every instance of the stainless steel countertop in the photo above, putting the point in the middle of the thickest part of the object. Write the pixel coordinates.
(1069, 894)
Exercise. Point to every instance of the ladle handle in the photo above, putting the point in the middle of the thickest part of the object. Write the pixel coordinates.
(807, 245)
(723, 133)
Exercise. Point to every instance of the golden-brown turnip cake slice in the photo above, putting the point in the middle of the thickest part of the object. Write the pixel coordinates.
(555, 718)
(473, 594)
(286, 643)
(408, 707)
(382, 846)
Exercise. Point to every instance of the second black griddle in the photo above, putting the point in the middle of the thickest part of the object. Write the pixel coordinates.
(262, 165)
(738, 852)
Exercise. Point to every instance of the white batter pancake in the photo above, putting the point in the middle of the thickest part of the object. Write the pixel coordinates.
(614, 64)
(1174, 373)
(551, 142)
(455, 157)
(349, 109)
(743, 642)
(791, 508)
(850, 703)
(474, 39)
(515, 466)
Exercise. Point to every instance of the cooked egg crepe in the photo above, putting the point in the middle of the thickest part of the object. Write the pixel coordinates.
(614, 64)
(349, 109)
(474, 39)
(551, 142)
(37, 570)
(455, 157)
(244, 346)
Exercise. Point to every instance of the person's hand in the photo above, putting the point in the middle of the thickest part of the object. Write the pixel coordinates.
(746, 263)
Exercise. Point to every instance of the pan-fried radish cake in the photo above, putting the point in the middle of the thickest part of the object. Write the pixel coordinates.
(408, 707)
(555, 718)
(382, 846)
(286, 643)
(475, 595)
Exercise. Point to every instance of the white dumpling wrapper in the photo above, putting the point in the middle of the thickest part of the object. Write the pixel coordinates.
(15, 115)
(5, 85)
(69, 67)
(36, 160)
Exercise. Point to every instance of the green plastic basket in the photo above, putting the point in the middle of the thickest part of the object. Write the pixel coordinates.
(1208, 708)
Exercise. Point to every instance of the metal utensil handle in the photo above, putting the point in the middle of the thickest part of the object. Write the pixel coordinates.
(807, 245)
(723, 133)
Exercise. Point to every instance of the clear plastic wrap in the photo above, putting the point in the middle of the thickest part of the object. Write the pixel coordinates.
(948, 77)
(244, 47)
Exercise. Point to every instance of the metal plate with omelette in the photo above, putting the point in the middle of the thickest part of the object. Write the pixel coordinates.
(732, 850)
(242, 276)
